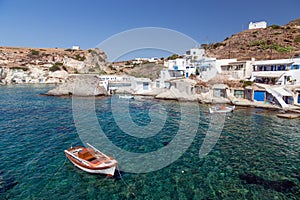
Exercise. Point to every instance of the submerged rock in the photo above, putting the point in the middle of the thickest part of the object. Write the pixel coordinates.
(283, 186)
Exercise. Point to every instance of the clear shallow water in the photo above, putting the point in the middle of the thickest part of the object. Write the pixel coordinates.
(34, 131)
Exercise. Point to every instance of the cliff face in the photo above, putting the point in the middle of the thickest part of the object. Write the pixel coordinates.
(47, 65)
(273, 42)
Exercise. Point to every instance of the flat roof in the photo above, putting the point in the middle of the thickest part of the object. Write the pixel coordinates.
(273, 62)
(269, 74)
(237, 63)
(219, 86)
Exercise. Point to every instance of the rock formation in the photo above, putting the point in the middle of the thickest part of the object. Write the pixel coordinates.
(80, 85)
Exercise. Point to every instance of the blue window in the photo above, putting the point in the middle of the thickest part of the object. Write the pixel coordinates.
(145, 86)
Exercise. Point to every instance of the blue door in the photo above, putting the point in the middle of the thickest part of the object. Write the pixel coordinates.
(259, 95)
(298, 98)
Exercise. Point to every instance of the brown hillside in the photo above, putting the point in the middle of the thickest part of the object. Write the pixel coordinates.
(273, 42)
(92, 60)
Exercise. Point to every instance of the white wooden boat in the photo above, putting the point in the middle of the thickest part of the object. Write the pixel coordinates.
(221, 109)
(126, 97)
(91, 160)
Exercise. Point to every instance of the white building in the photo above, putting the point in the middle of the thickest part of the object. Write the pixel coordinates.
(140, 85)
(181, 65)
(237, 69)
(75, 47)
(195, 54)
(279, 72)
(255, 25)
(143, 60)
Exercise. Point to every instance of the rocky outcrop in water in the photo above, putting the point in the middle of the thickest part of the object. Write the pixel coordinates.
(80, 85)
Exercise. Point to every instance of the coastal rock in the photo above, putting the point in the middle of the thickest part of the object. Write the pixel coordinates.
(80, 85)
(175, 94)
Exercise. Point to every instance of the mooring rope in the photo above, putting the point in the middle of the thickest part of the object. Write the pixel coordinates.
(126, 184)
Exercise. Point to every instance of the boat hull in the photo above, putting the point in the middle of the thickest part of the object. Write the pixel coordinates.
(108, 171)
(225, 110)
(105, 166)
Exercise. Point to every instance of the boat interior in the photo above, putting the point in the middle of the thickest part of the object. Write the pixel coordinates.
(89, 155)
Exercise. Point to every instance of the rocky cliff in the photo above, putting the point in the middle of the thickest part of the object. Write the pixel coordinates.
(48, 65)
(273, 42)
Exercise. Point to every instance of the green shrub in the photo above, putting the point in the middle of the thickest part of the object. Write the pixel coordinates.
(58, 64)
(102, 72)
(275, 26)
(197, 71)
(79, 58)
(204, 46)
(265, 46)
(218, 44)
(21, 68)
(257, 43)
(277, 33)
(54, 68)
(64, 68)
(34, 52)
(297, 39)
(173, 57)
(282, 49)
(246, 83)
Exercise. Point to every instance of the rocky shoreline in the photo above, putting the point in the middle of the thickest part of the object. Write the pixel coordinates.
(92, 86)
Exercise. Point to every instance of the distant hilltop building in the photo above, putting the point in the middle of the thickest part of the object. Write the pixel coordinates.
(76, 47)
(255, 25)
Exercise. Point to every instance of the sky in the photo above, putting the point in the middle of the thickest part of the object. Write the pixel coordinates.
(64, 23)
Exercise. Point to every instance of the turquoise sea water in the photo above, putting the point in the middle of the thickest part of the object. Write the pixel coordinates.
(35, 129)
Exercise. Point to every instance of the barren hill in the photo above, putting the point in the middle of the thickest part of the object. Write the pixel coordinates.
(273, 42)
(72, 61)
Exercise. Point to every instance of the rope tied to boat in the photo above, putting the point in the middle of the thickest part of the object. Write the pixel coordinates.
(126, 184)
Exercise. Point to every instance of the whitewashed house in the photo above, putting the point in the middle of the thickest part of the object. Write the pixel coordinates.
(255, 25)
(237, 69)
(279, 72)
(195, 54)
(75, 47)
(140, 85)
